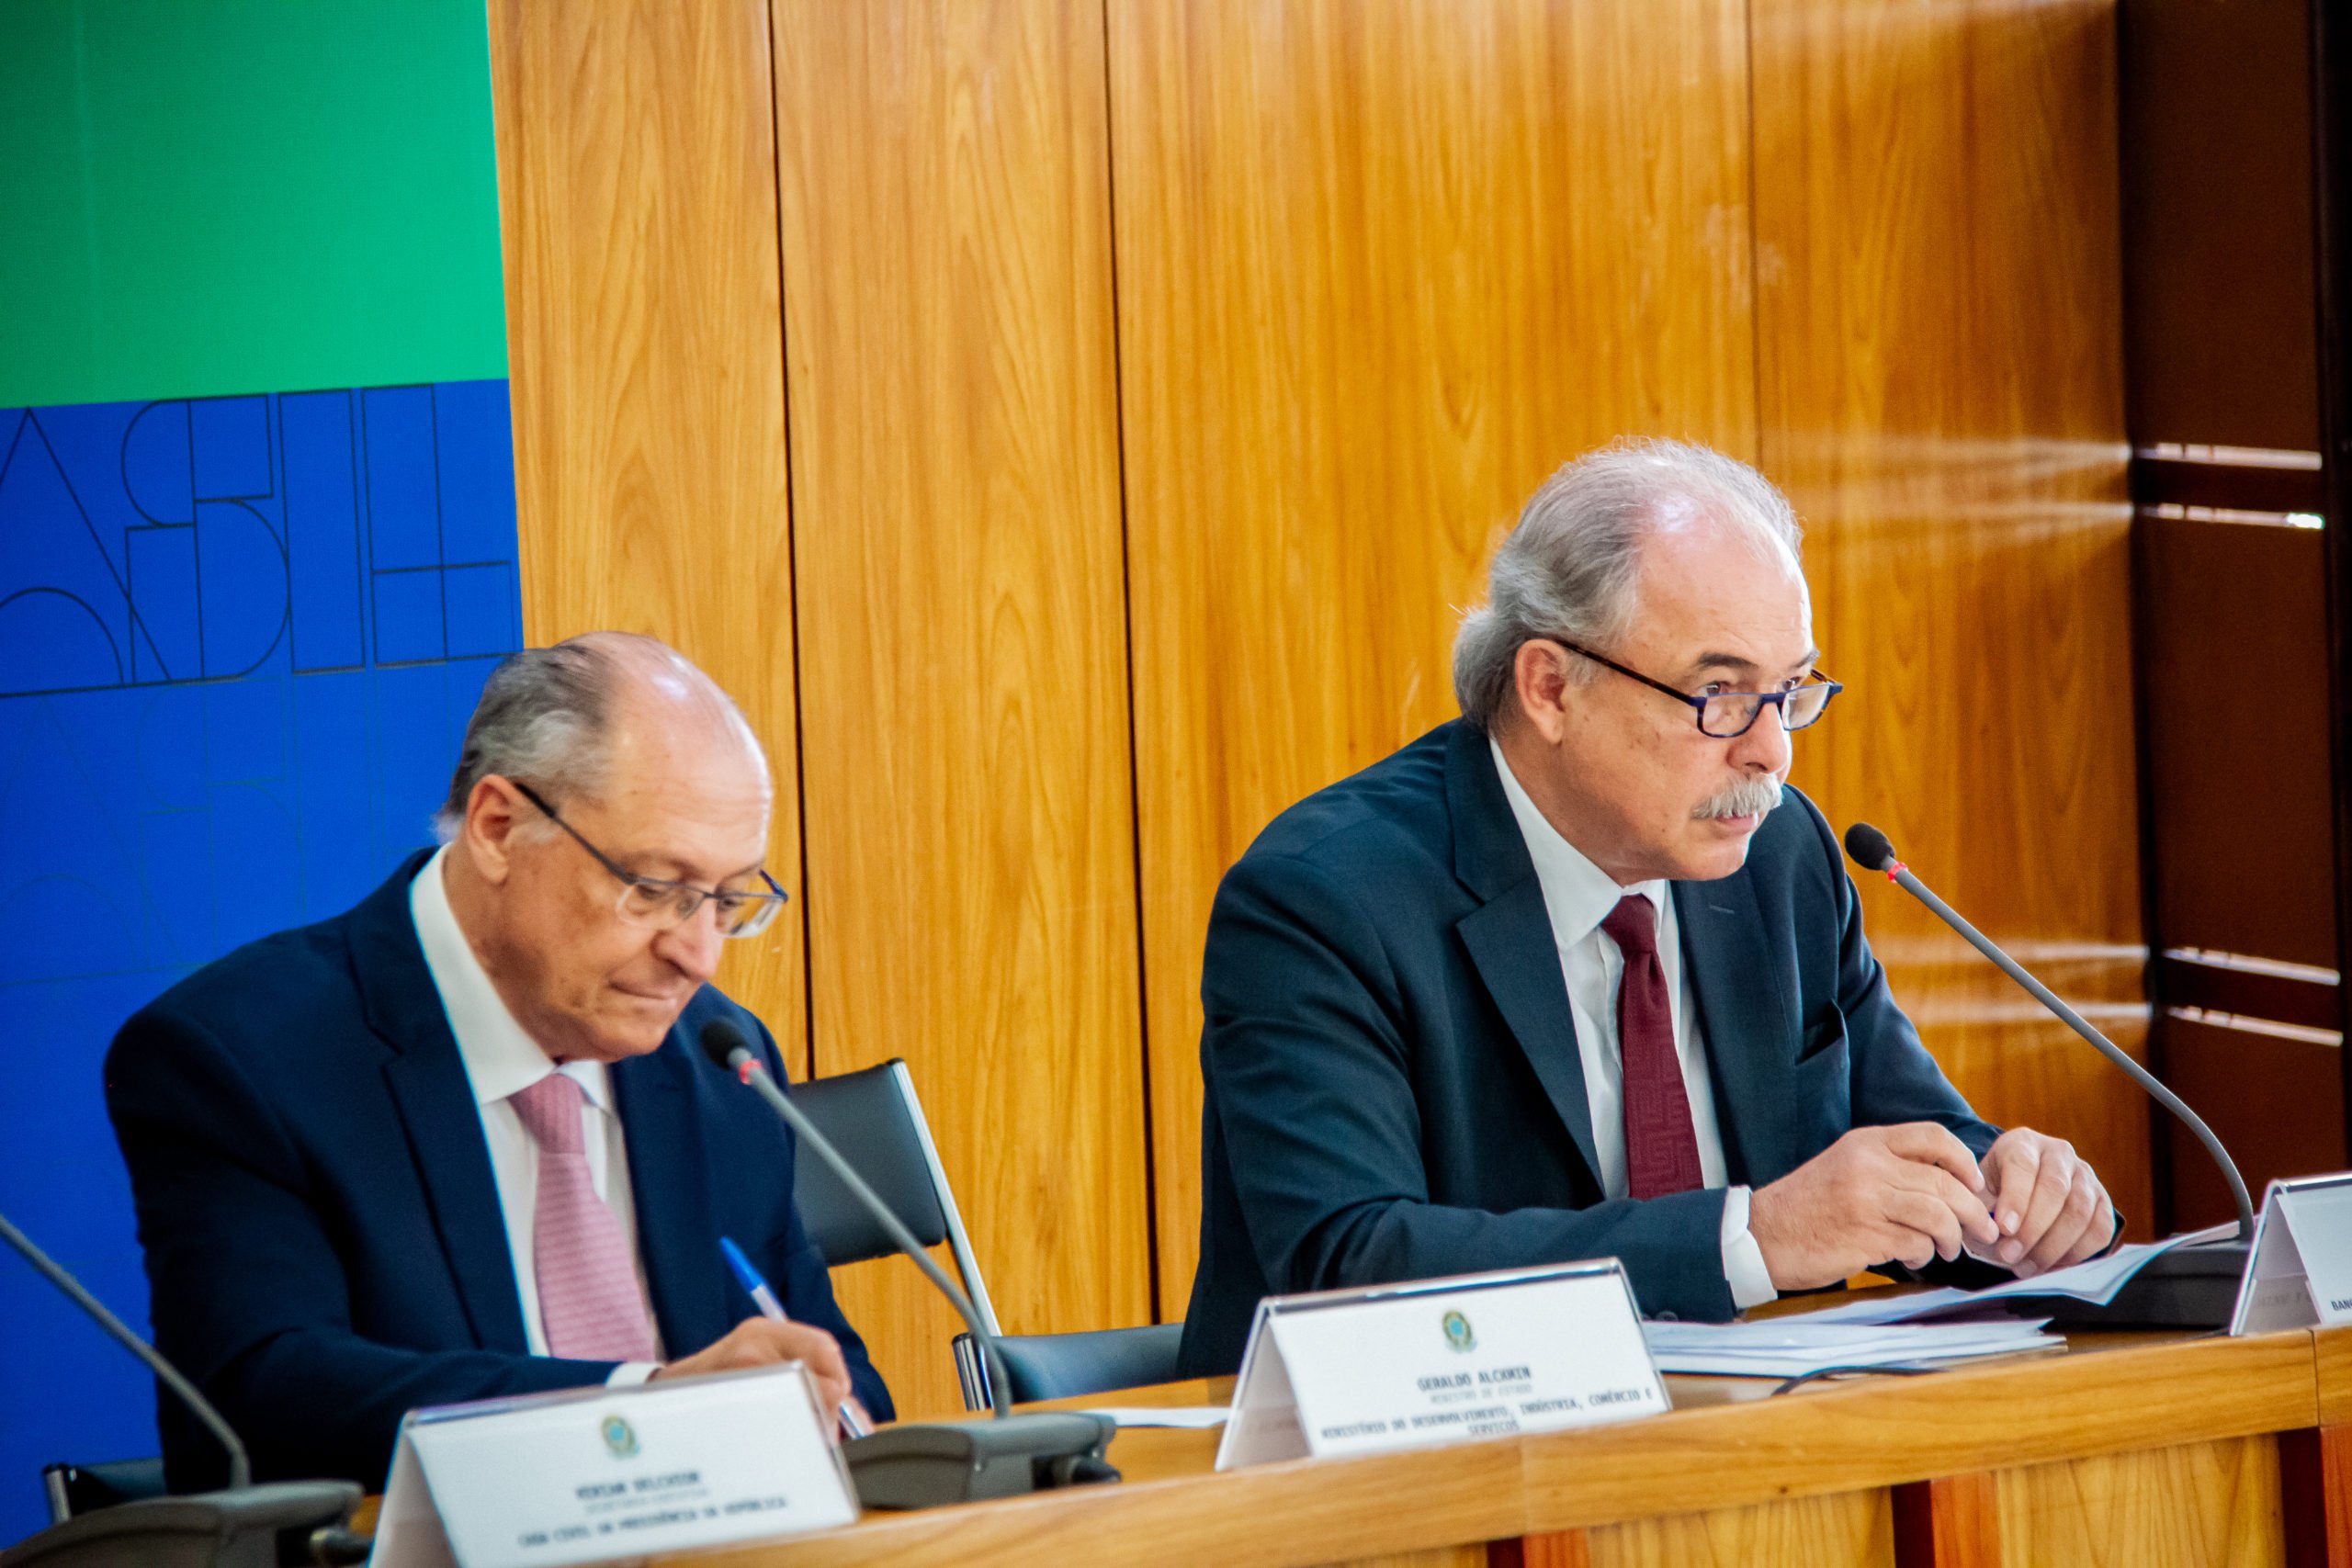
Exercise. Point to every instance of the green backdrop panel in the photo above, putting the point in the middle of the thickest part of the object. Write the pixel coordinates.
(244, 196)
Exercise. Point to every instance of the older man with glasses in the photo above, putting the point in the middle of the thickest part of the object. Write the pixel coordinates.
(1577, 976)
(457, 1143)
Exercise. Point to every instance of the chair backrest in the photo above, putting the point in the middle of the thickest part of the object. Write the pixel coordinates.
(1067, 1365)
(77, 1489)
(873, 1117)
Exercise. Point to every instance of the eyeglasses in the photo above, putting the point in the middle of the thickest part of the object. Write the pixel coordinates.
(1727, 714)
(664, 906)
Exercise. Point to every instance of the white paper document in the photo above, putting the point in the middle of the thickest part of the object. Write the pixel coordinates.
(1191, 1418)
(1439, 1361)
(1795, 1347)
(2096, 1282)
(545, 1480)
(2299, 1274)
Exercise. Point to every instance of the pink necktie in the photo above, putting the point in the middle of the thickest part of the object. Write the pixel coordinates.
(1661, 1146)
(589, 1301)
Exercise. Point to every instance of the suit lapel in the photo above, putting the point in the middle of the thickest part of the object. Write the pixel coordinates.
(1509, 934)
(1746, 1011)
(427, 1081)
(675, 1232)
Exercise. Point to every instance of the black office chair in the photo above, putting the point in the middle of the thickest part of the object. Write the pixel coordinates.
(873, 1116)
(76, 1489)
(1065, 1366)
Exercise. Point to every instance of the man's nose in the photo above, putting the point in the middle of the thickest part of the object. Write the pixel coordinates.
(694, 944)
(1764, 746)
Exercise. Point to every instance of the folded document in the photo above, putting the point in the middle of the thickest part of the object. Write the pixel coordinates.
(1794, 1347)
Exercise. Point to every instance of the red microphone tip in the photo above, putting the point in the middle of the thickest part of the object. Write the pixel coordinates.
(1895, 870)
(743, 1073)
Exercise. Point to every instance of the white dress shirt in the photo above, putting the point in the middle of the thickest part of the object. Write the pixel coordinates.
(1578, 896)
(501, 1059)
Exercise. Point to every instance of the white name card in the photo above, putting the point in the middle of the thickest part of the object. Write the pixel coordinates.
(2299, 1273)
(590, 1474)
(1440, 1361)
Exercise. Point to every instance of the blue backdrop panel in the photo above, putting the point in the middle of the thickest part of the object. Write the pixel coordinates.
(240, 638)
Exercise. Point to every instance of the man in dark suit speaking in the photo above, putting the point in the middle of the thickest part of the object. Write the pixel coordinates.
(457, 1142)
(1576, 976)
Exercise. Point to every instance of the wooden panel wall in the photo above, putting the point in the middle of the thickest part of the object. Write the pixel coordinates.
(1250, 324)
(1382, 268)
(1939, 329)
(964, 685)
(636, 195)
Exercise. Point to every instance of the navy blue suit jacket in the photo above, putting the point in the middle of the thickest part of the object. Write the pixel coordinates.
(1393, 1089)
(324, 1245)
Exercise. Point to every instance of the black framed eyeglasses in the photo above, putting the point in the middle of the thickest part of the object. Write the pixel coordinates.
(664, 906)
(1728, 713)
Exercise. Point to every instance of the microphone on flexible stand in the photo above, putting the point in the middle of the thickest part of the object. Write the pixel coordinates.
(923, 1465)
(2185, 1287)
(235, 1528)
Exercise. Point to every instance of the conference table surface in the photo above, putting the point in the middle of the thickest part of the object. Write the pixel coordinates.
(2133, 1448)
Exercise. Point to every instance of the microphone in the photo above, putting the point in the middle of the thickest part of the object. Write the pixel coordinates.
(236, 1527)
(2186, 1287)
(924, 1465)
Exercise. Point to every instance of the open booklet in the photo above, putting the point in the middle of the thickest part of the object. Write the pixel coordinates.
(2096, 1282)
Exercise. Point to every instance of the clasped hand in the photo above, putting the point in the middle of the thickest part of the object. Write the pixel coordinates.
(1913, 1193)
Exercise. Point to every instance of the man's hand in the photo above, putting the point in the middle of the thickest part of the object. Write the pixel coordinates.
(762, 1342)
(1908, 1194)
(2050, 1206)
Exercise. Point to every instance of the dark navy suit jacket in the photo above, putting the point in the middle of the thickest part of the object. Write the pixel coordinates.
(324, 1245)
(1393, 1089)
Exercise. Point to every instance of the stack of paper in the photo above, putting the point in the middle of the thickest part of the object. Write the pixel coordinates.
(2096, 1282)
(1793, 1347)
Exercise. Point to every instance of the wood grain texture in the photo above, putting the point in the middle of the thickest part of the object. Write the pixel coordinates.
(1381, 269)
(645, 351)
(1727, 1480)
(2196, 1505)
(1560, 1549)
(2315, 1497)
(1851, 1438)
(944, 197)
(1951, 1522)
(1848, 1530)
(2331, 1350)
(1941, 359)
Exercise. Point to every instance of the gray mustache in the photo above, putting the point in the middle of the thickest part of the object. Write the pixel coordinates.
(1750, 797)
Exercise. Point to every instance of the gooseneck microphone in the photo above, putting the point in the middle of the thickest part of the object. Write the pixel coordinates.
(914, 1465)
(241, 1469)
(2186, 1287)
(1871, 847)
(237, 1527)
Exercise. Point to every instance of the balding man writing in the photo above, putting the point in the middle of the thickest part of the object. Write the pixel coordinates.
(457, 1143)
(1576, 976)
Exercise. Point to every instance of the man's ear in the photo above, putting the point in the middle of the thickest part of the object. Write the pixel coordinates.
(1540, 685)
(494, 812)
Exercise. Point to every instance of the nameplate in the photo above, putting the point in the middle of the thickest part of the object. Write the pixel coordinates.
(589, 1474)
(1440, 1361)
(2299, 1271)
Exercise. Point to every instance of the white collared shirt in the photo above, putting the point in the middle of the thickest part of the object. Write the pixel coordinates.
(501, 1059)
(1578, 896)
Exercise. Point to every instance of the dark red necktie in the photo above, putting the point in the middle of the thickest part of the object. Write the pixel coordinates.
(1661, 1147)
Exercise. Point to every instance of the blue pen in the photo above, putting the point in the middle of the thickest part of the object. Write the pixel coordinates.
(853, 1424)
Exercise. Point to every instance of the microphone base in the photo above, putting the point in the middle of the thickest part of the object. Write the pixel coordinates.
(927, 1465)
(2189, 1287)
(252, 1526)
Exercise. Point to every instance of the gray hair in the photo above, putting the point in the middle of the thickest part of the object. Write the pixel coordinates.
(546, 715)
(1570, 567)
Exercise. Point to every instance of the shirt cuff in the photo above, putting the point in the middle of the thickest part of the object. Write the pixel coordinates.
(1752, 1283)
(628, 1374)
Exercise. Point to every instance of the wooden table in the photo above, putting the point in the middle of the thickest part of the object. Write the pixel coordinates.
(2138, 1449)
